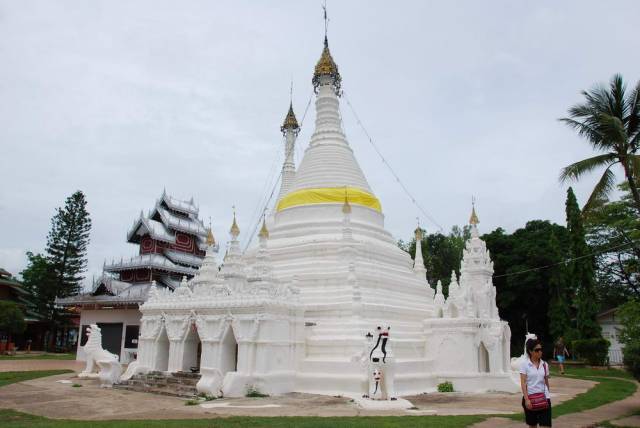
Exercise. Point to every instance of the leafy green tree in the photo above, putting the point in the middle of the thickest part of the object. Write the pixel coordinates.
(37, 279)
(67, 245)
(610, 121)
(523, 289)
(441, 253)
(629, 317)
(613, 233)
(11, 318)
(581, 272)
(559, 313)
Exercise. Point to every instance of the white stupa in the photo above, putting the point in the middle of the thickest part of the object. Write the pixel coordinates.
(293, 313)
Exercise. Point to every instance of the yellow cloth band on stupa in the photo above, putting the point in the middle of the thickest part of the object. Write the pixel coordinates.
(329, 195)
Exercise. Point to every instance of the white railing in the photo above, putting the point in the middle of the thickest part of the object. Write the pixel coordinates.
(615, 356)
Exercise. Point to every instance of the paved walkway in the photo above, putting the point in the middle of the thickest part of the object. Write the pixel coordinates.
(631, 421)
(586, 419)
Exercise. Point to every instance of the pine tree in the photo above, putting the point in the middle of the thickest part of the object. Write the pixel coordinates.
(67, 245)
(581, 271)
(559, 311)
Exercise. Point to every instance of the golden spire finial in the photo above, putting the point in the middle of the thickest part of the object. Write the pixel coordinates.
(264, 232)
(235, 230)
(326, 66)
(290, 121)
(418, 231)
(210, 239)
(346, 207)
(474, 217)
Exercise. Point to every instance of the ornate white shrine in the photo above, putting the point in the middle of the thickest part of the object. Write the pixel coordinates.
(292, 314)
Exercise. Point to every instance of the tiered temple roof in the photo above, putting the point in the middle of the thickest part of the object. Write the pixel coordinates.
(172, 242)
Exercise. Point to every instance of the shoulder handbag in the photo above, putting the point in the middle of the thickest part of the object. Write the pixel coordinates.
(539, 399)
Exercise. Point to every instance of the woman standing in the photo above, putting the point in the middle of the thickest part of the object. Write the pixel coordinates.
(559, 352)
(534, 382)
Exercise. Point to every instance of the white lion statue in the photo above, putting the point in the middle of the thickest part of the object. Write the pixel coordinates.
(110, 368)
(516, 361)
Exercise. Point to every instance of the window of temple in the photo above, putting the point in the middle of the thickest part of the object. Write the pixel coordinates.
(192, 350)
(229, 353)
(483, 359)
(162, 352)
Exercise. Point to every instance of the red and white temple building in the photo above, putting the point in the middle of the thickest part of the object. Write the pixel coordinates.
(171, 242)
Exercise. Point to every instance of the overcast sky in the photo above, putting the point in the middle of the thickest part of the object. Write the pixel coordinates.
(121, 99)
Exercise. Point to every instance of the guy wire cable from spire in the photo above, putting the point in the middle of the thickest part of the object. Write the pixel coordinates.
(605, 250)
(267, 181)
(275, 185)
(384, 161)
(264, 210)
(306, 109)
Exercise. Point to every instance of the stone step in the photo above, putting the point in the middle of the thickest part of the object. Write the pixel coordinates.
(181, 392)
(186, 375)
(180, 384)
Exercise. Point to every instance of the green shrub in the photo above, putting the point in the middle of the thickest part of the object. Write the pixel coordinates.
(629, 316)
(252, 391)
(631, 358)
(76, 385)
(11, 318)
(207, 397)
(594, 351)
(445, 387)
(192, 402)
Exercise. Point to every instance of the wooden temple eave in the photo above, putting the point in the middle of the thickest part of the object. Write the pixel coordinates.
(107, 306)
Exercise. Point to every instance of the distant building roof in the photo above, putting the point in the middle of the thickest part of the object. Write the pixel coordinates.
(186, 207)
(183, 224)
(150, 260)
(20, 295)
(184, 258)
(110, 291)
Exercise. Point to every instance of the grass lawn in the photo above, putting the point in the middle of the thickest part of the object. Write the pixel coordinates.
(7, 378)
(584, 371)
(13, 419)
(606, 391)
(43, 356)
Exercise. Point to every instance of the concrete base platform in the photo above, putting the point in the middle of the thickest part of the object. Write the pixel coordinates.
(382, 405)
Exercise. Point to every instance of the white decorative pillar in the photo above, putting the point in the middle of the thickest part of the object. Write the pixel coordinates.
(290, 131)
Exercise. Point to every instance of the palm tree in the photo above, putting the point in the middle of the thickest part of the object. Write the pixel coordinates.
(610, 122)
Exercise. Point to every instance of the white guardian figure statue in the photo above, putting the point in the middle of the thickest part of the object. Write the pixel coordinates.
(381, 373)
(108, 364)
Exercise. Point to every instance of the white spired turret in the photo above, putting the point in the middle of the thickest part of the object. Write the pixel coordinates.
(207, 275)
(468, 339)
(290, 129)
(233, 267)
(477, 273)
(418, 261)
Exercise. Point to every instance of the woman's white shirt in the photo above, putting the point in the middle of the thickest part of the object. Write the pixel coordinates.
(535, 376)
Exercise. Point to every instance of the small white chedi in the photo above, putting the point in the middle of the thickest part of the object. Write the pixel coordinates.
(292, 313)
(107, 364)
